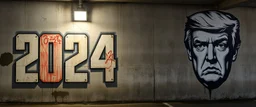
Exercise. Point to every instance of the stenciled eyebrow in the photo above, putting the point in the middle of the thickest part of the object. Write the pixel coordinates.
(216, 42)
(220, 40)
(223, 36)
(200, 42)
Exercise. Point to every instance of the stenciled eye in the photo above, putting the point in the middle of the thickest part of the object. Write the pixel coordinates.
(222, 46)
(199, 46)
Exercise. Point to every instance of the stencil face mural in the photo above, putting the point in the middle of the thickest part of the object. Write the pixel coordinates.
(212, 41)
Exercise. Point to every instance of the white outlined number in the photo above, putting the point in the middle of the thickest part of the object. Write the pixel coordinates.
(105, 46)
(71, 74)
(30, 56)
(102, 57)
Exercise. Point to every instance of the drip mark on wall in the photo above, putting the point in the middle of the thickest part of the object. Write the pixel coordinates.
(61, 94)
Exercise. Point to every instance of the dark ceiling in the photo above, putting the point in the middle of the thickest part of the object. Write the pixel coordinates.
(221, 4)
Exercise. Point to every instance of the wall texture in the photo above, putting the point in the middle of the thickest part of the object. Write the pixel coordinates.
(152, 59)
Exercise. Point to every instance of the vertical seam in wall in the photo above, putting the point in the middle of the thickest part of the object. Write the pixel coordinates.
(57, 15)
(154, 87)
(120, 33)
(25, 13)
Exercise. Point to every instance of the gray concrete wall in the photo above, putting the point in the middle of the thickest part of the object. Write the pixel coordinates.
(152, 59)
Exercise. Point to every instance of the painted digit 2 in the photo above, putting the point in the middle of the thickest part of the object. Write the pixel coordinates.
(31, 55)
(71, 72)
(51, 57)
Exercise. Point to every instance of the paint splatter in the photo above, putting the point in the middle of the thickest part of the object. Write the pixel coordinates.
(56, 75)
(109, 58)
(6, 59)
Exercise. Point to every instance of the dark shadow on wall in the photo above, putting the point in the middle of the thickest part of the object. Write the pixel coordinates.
(6, 59)
(74, 85)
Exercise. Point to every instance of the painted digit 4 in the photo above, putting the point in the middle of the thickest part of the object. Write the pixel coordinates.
(103, 56)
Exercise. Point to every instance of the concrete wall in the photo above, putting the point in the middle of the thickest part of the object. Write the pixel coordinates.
(152, 59)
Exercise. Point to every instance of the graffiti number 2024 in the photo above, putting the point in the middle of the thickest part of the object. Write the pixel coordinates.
(49, 48)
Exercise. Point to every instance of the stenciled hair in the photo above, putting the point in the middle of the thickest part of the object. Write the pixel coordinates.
(215, 22)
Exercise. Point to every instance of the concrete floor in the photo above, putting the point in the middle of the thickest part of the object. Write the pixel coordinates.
(158, 104)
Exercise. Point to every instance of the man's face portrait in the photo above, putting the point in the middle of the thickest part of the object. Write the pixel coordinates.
(210, 52)
(211, 49)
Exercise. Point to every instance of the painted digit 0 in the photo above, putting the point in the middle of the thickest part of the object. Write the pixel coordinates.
(46, 74)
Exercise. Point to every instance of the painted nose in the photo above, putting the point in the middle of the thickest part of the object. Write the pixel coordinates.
(210, 54)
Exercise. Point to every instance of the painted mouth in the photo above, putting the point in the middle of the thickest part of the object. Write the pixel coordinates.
(211, 70)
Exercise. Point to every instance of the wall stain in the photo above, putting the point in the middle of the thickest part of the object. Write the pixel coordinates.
(43, 19)
(61, 94)
(6, 59)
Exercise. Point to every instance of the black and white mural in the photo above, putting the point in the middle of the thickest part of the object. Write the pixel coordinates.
(212, 41)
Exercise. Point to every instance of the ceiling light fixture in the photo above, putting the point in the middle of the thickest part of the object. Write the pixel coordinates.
(80, 14)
